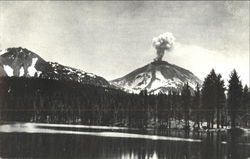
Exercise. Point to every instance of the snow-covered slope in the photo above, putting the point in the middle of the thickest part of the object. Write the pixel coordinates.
(22, 62)
(156, 77)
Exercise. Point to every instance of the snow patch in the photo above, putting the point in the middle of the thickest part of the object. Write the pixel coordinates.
(39, 73)
(79, 74)
(161, 81)
(139, 83)
(21, 71)
(69, 69)
(91, 75)
(177, 80)
(3, 51)
(159, 75)
(53, 64)
(9, 71)
(192, 84)
(31, 69)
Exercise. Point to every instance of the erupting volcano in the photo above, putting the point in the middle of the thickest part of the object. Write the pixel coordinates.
(158, 76)
(162, 43)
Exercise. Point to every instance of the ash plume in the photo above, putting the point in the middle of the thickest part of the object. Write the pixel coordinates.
(161, 43)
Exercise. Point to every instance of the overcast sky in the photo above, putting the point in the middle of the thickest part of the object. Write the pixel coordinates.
(111, 39)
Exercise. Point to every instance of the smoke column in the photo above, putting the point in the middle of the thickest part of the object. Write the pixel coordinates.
(161, 43)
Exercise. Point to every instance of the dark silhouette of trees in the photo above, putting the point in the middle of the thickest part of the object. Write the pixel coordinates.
(221, 98)
(52, 101)
(186, 104)
(209, 97)
(196, 106)
(234, 96)
(213, 98)
(245, 110)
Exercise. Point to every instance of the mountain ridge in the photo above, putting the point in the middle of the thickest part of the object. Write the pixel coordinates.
(23, 62)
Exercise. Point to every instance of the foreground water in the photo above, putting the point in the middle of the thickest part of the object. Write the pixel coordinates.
(29, 140)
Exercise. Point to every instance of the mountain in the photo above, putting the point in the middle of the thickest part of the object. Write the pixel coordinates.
(157, 77)
(21, 62)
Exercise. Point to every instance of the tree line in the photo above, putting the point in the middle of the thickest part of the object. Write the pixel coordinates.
(51, 101)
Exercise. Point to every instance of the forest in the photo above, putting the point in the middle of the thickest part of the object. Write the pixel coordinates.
(214, 105)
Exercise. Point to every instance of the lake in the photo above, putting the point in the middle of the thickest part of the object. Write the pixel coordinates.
(29, 140)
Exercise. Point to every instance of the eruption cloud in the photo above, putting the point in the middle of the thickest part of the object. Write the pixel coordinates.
(161, 43)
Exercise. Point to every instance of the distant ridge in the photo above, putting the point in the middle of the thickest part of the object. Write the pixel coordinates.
(21, 62)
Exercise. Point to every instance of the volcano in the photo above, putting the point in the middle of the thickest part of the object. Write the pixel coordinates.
(21, 62)
(157, 77)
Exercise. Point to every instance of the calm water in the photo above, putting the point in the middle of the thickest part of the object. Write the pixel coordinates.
(22, 141)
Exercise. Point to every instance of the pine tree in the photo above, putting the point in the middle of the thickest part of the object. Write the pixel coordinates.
(220, 99)
(161, 108)
(209, 97)
(234, 96)
(245, 105)
(197, 105)
(186, 102)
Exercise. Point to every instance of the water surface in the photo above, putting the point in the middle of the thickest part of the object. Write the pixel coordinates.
(26, 140)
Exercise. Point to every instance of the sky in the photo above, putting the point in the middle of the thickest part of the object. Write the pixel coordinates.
(112, 38)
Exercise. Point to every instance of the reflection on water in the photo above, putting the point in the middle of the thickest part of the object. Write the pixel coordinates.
(62, 145)
(93, 131)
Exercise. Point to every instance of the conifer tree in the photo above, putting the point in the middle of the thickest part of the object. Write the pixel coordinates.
(186, 102)
(220, 99)
(234, 96)
(209, 97)
(245, 105)
(197, 105)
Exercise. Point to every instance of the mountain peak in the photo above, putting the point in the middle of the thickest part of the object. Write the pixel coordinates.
(19, 52)
(159, 62)
(157, 77)
(19, 62)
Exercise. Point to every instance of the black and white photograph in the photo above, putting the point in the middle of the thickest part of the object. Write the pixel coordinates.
(124, 80)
